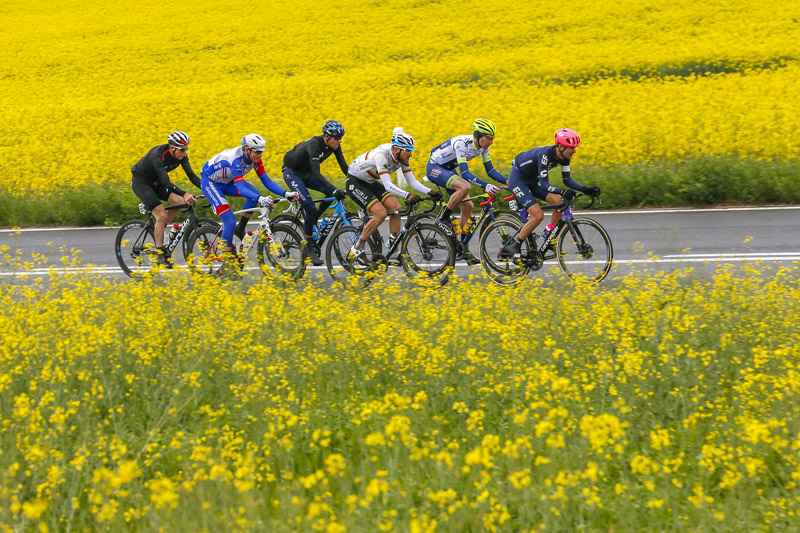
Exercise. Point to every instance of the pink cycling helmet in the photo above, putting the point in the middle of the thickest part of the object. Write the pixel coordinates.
(568, 137)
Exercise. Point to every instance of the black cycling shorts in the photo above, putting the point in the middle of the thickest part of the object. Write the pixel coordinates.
(150, 193)
(365, 193)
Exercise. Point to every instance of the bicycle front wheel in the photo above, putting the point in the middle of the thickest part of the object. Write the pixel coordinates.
(285, 252)
(584, 251)
(344, 269)
(135, 247)
(428, 253)
(205, 252)
(500, 265)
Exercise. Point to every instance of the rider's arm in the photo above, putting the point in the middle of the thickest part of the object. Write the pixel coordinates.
(187, 168)
(273, 187)
(386, 178)
(491, 171)
(415, 184)
(163, 177)
(568, 181)
(460, 148)
(341, 160)
(243, 189)
(313, 157)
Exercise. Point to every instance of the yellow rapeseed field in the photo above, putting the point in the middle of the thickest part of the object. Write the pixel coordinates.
(656, 403)
(89, 87)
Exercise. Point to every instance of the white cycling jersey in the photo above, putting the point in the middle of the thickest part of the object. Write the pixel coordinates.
(380, 164)
(458, 149)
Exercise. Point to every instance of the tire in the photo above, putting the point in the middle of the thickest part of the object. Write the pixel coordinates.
(428, 254)
(339, 267)
(296, 222)
(135, 239)
(205, 255)
(285, 251)
(586, 255)
(186, 244)
(500, 269)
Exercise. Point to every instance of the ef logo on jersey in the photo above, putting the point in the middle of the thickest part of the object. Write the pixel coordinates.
(544, 159)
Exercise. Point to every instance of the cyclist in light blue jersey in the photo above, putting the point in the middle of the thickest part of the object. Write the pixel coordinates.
(451, 158)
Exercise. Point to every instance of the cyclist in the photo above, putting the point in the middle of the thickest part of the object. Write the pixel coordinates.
(369, 183)
(301, 172)
(454, 154)
(529, 180)
(223, 175)
(150, 182)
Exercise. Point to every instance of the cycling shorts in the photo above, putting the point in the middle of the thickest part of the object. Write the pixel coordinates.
(364, 193)
(525, 191)
(150, 193)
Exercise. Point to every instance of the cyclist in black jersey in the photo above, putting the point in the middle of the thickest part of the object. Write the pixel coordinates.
(150, 182)
(301, 172)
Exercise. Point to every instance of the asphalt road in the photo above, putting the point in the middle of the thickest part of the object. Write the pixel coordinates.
(662, 239)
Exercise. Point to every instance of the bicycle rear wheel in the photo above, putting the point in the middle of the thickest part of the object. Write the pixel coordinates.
(186, 244)
(205, 253)
(428, 254)
(286, 252)
(343, 269)
(135, 246)
(500, 266)
(585, 254)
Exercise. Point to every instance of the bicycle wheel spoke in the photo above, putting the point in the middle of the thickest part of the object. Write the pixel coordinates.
(135, 247)
(285, 251)
(500, 265)
(427, 252)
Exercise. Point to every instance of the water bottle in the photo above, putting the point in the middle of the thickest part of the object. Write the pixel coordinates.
(390, 240)
(550, 227)
(325, 227)
(173, 231)
(456, 226)
(470, 224)
(315, 233)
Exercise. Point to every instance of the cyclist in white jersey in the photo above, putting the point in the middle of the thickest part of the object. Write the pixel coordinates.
(450, 158)
(369, 184)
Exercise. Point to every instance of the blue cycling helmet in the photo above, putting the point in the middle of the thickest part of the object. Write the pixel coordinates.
(403, 140)
(333, 128)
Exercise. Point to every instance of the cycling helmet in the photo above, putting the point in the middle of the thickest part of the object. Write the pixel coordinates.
(403, 140)
(333, 128)
(254, 141)
(483, 126)
(567, 137)
(178, 139)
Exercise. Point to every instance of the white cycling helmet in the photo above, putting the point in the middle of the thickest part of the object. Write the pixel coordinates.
(254, 141)
(178, 139)
(403, 140)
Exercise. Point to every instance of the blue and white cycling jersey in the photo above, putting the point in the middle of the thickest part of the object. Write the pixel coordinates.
(231, 165)
(457, 151)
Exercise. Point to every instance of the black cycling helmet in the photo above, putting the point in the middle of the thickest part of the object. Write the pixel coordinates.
(333, 128)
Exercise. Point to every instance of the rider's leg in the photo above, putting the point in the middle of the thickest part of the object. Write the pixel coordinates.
(160, 214)
(391, 204)
(378, 212)
(295, 183)
(555, 199)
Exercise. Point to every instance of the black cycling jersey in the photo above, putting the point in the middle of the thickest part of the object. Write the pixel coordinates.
(155, 165)
(306, 157)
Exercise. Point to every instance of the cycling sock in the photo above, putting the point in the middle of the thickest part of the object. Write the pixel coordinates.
(241, 227)
(446, 212)
(360, 244)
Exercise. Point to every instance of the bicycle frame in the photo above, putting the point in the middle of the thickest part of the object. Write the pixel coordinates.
(264, 227)
(190, 221)
(486, 212)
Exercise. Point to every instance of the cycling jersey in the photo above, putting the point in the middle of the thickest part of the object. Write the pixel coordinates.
(535, 164)
(231, 165)
(380, 164)
(457, 151)
(155, 165)
(306, 157)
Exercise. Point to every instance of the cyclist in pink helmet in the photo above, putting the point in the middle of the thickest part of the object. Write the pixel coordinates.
(529, 181)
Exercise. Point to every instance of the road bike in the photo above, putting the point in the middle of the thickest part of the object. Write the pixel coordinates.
(135, 244)
(279, 246)
(581, 246)
(423, 249)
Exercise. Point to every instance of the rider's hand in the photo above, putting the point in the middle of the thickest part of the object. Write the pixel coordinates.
(291, 195)
(338, 194)
(265, 201)
(436, 195)
(592, 191)
(189, 199)
(568, 194)
(411, 199)
(491, 189)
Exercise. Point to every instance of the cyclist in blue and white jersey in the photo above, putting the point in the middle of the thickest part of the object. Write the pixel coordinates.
(301, 172)
(223, 175)
(369, 183)
(529, 180)
(452, 156)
